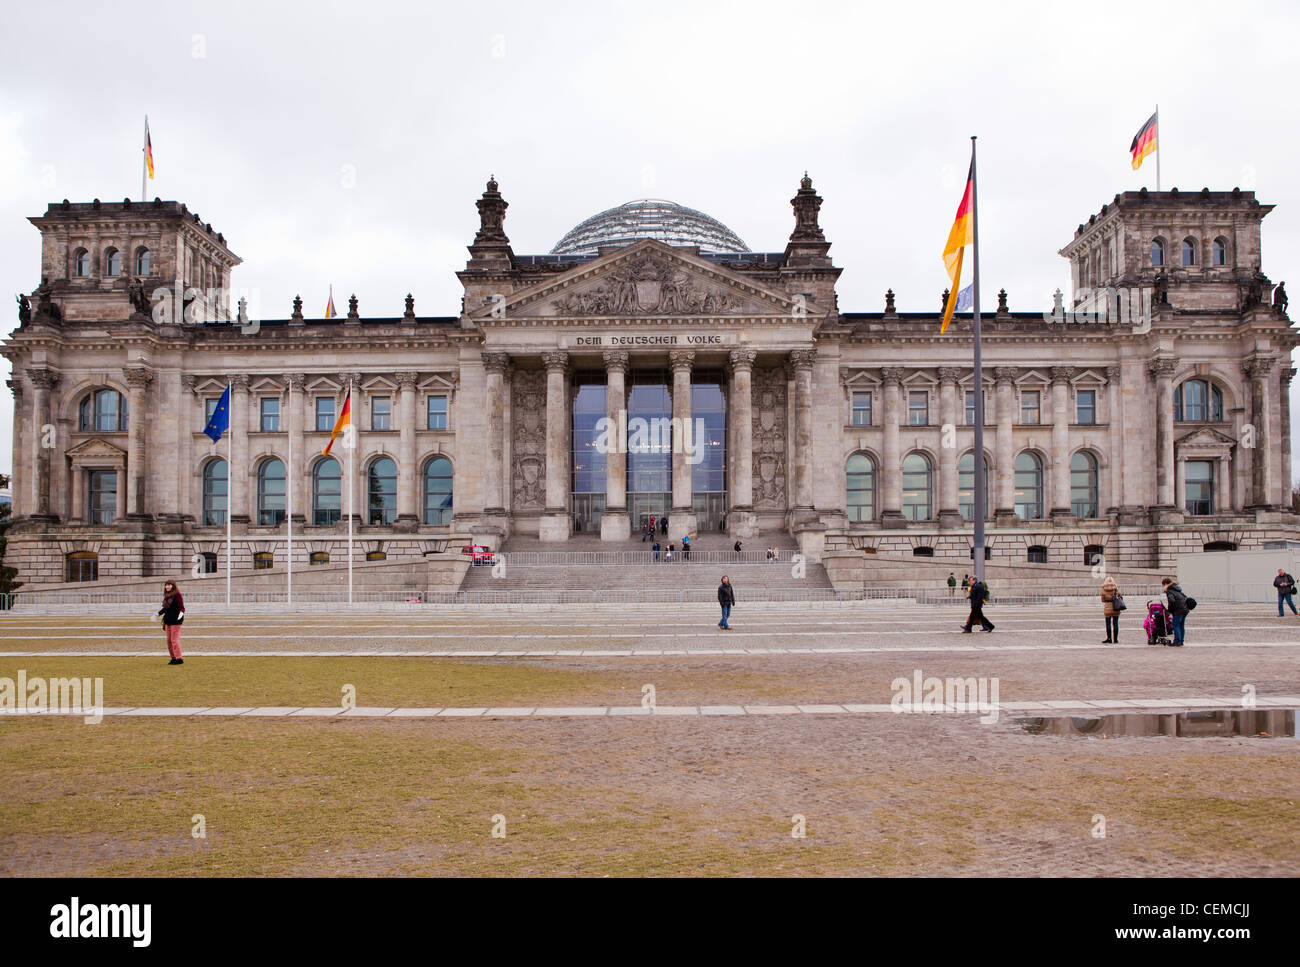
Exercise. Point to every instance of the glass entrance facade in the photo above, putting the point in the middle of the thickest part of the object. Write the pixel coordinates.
(649, 446)
(709, 473)
(588, 499)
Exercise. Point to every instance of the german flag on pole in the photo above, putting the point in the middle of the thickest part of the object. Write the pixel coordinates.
(330, 312)
(345, 419)
(962, 234)
(1144, 142)
(148, 148)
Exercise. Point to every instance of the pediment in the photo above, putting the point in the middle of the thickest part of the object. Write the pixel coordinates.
(647, 279)
(96, 449)
(1206, 437)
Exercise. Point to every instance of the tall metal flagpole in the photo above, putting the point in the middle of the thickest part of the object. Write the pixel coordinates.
(289, 496)
(144, 187)
(230, 476)
(981, 483)
(1160, 136)
(351, 484)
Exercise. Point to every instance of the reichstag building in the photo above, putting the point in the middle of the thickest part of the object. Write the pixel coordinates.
(1143, 415)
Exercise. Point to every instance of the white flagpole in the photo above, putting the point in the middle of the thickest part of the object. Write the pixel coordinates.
(289, 494)
(230, 477)
(1160, 136)
(144, 175)
(351, 485)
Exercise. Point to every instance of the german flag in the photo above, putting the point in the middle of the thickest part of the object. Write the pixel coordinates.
(962, 234)
(330, 313)
(148, 148)
(345, 419)
(1144, 142)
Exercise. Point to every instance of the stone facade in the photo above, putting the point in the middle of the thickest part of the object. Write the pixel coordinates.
(1144, 416)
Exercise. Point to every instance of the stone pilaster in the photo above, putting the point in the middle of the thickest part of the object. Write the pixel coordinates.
(1060, 474)
(892, 458)
(949, 514)
(1161, 370)
(741, 519)
(238, 475)
(681, 518)
(494, 474)
(1004, 500)
(1257, 369)
(16, 477)
(614, 523)
(43, 380)
(408, 473)
(297, 422)
(1114, 417)
(555, 523)
(802, 362)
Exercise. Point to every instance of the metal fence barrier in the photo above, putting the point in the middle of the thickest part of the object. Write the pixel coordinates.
(146, 603)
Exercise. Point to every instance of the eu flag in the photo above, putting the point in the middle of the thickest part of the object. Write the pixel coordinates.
(966, 303)
(220, 421)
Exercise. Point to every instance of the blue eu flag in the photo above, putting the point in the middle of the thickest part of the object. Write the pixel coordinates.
(220, 421)
(966, 302)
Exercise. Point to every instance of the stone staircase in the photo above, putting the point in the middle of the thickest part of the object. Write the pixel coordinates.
(587, 563)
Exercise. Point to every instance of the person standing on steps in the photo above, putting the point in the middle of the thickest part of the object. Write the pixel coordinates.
(979, 593)
(952, 584)
(726, 598)
(686, 547)
(1109, 592)
(1285, 585)
(173, 613)
(656, 548)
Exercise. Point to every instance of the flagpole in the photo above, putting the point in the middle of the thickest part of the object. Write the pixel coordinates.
(351, 486)
(289, 494)
(230, 477)
(144, 175)
(1159, 138)
(981, 484)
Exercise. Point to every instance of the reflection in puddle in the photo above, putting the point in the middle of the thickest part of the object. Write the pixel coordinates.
(1272, 723)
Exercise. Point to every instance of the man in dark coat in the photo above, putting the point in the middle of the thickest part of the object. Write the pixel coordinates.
(1178, 608)
(726, 598)
(979, 593)
(1285, 585)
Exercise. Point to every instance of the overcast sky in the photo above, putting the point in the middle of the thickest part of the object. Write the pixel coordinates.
(346, 142)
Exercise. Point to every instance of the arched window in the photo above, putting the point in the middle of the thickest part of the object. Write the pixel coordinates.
(103, 411)
(1037, 554)
(263, 560)
(1219, 546)
(917, 487)
(209, 562)
(376, 555)
(966, 486)
(215, 492)
(1093, 554)
(860, 495)
(437, 492)
(1083, 484)
(326, 493)
(1219, 251)
(113, 263)
(270, 493)
(81, 264)
(142, 261)
(1157, 252)
(1198, 401)
(319, 557)
(1029, 486)
(382, 503)
(1189, 251)
(81, 566)
(923, 552)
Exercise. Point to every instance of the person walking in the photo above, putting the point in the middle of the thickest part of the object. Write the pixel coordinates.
(1285, 585)
(1109, 592)
(656, 550)
(173, 613)
(737, 547)
(979, 593)
(726, 598)
(663, 525)
(952, 584)
(1179, 606)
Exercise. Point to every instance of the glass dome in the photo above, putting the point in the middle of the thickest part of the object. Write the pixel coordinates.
(654, 218)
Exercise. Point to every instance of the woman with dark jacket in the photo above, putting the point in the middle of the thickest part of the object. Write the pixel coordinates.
(173, 613)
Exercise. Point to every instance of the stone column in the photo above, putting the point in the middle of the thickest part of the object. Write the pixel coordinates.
(16, 477)
(78, 509)
(802, 361)
(408, 474)
(137, 381)
(555, 522)
(1114, 410)
(614, 523)
(239, 495)
(1258, 369)
(351, 489)
(1060, 475)
(1162, 370)
(742, 522)
(681, 518)
(43, 380)
(1222, 486)
(1004, 498)
(1180, 483)
(494, 368)
(297, 424)
(891, 473)
(949, 514)
(191, 418)
(1284, 432)
(119, 508)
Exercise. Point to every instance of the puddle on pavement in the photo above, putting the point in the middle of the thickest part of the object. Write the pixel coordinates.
(1249, 723)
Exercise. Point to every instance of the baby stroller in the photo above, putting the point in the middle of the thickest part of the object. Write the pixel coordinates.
(1157, 625)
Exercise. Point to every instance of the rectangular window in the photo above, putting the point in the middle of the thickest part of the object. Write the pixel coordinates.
(1029, 411)
(324, 414)
(918, 408)
(862, 409)
(437, 412)
(381, 413)
(1086, 406)
(270, 414)
(209, 407)
(1198, 477)
(970, 408)
(102, 487)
